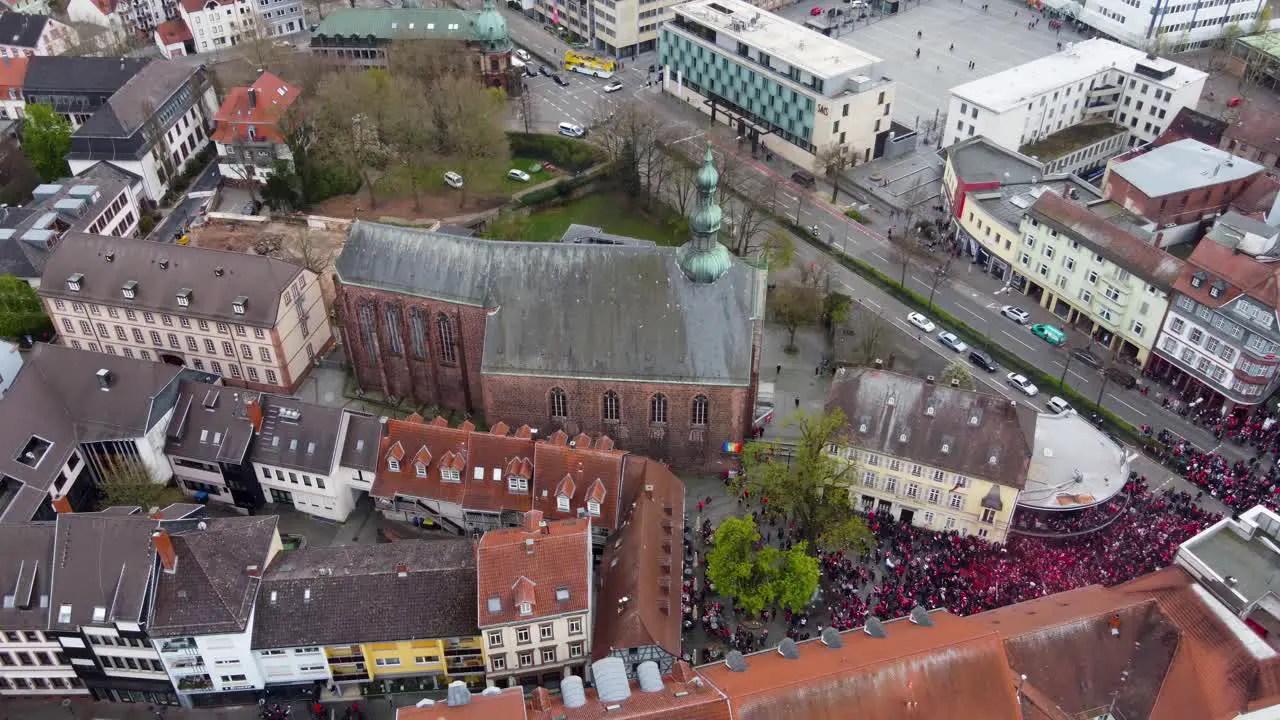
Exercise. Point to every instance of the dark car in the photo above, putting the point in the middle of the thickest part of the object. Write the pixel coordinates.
(1086, 357)
(1121, 378)
(983, 360)
(803, 179)
(560, 81)
(542, 70)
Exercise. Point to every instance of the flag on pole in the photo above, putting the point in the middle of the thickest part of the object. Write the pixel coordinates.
(555, 15)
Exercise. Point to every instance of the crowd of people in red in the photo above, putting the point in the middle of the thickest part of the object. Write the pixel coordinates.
(1240, 485)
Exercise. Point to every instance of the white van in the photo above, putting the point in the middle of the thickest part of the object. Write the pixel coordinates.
(453, 180)
(522, 54)
(571, 130)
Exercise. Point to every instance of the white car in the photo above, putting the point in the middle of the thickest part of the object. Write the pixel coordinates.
(951, 341)
(1023, 384)
(1015, 314)
(569, 129)
(613, 87)
(453, 180)
(1058, 406)
(921, 322)
(517, 175)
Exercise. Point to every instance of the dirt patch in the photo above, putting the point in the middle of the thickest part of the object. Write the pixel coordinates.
(432, 207)
(313, 248)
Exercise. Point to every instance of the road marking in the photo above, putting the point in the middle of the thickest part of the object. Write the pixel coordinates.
(1011, 337)
(1140, 413)
(882, 258)
(962, 307)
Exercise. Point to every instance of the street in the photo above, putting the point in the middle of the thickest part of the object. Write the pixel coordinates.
(187, 208)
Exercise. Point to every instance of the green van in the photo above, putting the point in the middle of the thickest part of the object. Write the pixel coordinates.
(1049, 334)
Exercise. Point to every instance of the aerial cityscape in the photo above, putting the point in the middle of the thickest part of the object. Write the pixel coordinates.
(639, 359)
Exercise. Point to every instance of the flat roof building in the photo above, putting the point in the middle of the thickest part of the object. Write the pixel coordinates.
(1075, 465)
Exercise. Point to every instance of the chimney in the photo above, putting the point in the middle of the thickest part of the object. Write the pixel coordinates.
(105, 379)
(648, 491)
(540, 701)
(402, 571)
(164, 548)
(533, 521)
(253, 98)
(253, 571)
(254, 410)
(528, 546)
(681, 672)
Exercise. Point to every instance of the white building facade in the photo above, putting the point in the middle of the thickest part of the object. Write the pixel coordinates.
(219, 24)
(205, 664)
(32, 665)
(1164, 26)
(1091, 81)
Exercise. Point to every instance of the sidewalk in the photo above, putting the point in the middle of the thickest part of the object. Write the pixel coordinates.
(86, 709)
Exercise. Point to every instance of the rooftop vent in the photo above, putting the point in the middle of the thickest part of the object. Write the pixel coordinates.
(218, 271)
(105, 379)
(735, 661)
(650, 677)
(572, 692)
(920, 617)
(458, 694)
(611, 679)
(164, 263)
(831, 638)
(788, 649)
(874, 628)
(930, 411)
(110, 256)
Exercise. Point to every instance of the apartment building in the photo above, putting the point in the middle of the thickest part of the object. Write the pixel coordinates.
(281, 17)
(256, 321)
(1178, 186)
(138, 17)
(1219, 342)
(1096, 275)
(534, 594)
(415, 629)
(207, 444)
(13, 72)
(937, 457)
(218, 24)
(77, 87)
(783, 86)
(1171, 26)
(24, 35)
(32, 663)
(247, 129)
(1093, 81)
(152, 126)
(72, 415)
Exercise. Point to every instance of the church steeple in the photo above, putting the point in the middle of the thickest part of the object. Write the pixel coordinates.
(703, 259)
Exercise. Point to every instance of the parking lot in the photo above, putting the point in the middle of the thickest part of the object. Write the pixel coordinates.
(994, 39)
(582, 102)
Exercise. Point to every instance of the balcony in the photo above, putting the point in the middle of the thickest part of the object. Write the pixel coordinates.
(195, 682)
(1101, 106)
(186, 646)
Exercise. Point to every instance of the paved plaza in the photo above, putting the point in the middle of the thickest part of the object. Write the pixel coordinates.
(993, 39)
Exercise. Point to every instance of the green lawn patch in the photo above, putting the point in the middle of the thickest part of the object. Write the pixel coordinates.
(603, 210)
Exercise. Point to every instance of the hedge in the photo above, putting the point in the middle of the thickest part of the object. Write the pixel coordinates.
(562, 188)
(567, 153)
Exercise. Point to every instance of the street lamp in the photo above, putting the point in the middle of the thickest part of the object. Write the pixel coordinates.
(1062, 381)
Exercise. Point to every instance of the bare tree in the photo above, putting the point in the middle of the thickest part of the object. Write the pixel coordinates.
(869, 333)
(631, 133)
(306, 247)
(832, 161)
(683, 188)
(940, 271)
(347, 116)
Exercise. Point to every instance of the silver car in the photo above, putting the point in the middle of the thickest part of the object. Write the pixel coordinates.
(1023, 384)
(1015, 314)
(951, 341)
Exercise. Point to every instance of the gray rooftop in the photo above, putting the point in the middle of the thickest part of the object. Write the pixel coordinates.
(1075, 465)
(436, 598)
(565, 310)
(592, 235)
(961, 431)
(210, 424)
(978, 160)
(1243, 554)
(297, 435)
(102, 568)
(70, 204)
(25, 574)
(20, 503)
(1010, 202)
(216, 581)
(361, 444)
(214, 277)
(141, 96)
(1182, 166)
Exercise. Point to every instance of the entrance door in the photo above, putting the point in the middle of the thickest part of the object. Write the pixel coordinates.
(884, 506)
(868, 503)
(906, 515)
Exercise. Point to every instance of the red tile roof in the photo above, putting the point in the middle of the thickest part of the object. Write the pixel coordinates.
(404, 441)
(504, 704)
(172, 32)
(684, 696)
(585, 464)
(642, 568)
(193, 6)
(1241, 272)
(1258, 198)
(954, 669)
(12, 73)
(272, 100)
(555, 557)
(1257, 128)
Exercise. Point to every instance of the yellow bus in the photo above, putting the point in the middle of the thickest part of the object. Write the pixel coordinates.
(589, 64)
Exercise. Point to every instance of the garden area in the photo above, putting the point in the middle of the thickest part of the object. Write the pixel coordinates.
(605, 209)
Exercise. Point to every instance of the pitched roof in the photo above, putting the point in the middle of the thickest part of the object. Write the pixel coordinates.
(216, 278)
(642, 569)
(216, 581)
(89, 76)
(589, 465)
(621, 311)
(1181, 166)
(1242, 273)
(22, 29)
(405, 438)
(297, 435)
(954, 669)
(1114, 243)
(684, 696)
(1193, 124)
(173, 32)
(13, 72)
(1257, 128)
(555, 558)
(210, 423)
(139, 98)
(398, 23)
(26, 573)
(259, 106)
(492, 704)
(409, 590)
(102, 565)
(970, 433)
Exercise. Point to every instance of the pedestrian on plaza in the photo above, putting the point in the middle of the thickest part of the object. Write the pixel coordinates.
(917, 53)
(952, 48)
(797, 402)
(699, 506)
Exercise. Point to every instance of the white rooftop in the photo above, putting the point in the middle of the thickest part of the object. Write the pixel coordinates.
(783, 39)
(1181, 166)
(1074, 465)
(1079, 61)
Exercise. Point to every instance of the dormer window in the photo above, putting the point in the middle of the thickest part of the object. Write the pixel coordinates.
(526, 608)
(393, 465)
(517, 484)
(130, 290)
(420, 469)
(562, 503)
(1217, 289)
(450, 475)
(238, 304)
(75, 282)
(184, 297)
(1198, 278)
(593, 507)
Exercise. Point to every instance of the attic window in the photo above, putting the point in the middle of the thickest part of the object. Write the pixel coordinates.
(517, 484)
(184, 297)
(562, 503)
(1217, 289)
(526, 608)
(393, 465)
(930, 411)
(130, 290)
(450, 475)
(593, 508)
(420, 469)
(64, 614)
(495, 605)
(562, 594)
(238, 304)
(75, 281)
(99, 614)
(1198, 278)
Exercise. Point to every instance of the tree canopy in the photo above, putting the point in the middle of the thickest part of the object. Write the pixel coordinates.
(128, 481)
(757, 579)
(21, 312)
(46, 139)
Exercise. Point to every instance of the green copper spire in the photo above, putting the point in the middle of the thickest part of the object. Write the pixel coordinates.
(703, 259)
(491, 29)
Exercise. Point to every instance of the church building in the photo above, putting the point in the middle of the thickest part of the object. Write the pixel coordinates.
(656, 347)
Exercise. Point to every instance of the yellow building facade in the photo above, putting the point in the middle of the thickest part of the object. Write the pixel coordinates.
(431, 663)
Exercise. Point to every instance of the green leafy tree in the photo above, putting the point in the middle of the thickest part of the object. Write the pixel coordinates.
(1263, 22)
(283, 189)
(757, 579)
(46, 139)
(21, 312)
(958, 371)
(813, 486)
(128, 481)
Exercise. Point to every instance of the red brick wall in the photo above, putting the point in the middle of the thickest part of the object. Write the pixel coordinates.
(1173, 211)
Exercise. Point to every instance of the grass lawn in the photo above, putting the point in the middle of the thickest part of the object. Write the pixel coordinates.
(535, 178)
(491, 178)
(602, 210)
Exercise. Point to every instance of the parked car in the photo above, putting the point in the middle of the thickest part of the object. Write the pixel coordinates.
(1022, 383)
(517, 175)
(815, 12)
(542, 70)
(983, 360)
(1087, 358)
(921, 322)
(1015, 314)
(804, 179)
(569, 129)
(951, 341)
(1121, 378)
(613, 87)
(1049, 334)
(522, 54)
(1058, 406)
(453, 180)
(559, 80)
